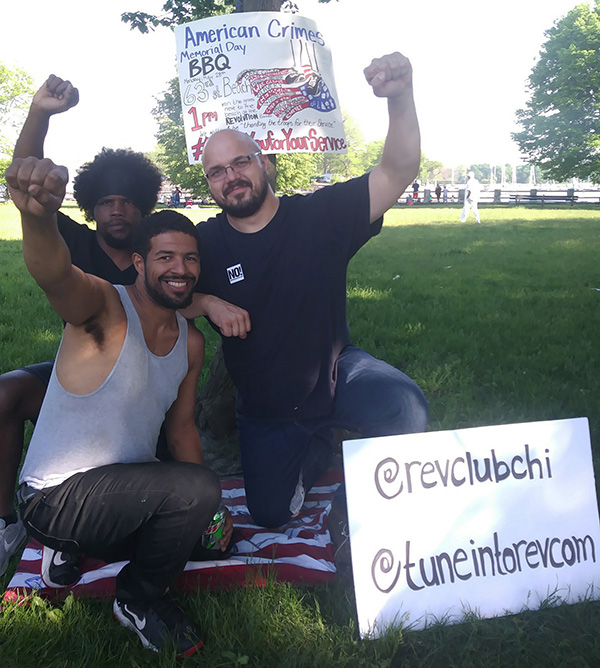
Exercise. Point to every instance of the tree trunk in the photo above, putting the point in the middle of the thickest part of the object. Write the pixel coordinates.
(261, 5)
(215, 419)
(215, 403)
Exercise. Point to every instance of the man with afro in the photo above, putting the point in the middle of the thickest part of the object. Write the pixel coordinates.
(116, 190)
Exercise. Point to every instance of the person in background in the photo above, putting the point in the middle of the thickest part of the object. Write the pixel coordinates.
(415, 187)
(472, 194)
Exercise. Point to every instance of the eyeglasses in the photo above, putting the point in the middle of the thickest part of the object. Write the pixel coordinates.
(238, 165)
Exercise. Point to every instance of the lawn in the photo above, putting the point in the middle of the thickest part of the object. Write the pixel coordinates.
(497, 322)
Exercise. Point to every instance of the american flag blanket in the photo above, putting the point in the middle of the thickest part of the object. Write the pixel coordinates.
(300, 552)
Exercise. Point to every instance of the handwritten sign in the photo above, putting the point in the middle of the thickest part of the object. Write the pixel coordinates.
(490, 520)
(268, 74)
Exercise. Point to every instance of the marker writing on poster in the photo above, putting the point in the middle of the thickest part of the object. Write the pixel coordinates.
(492, 560)
(309, 142)
(207, 117)
(391, 478)
(208, 64)
(275, 29)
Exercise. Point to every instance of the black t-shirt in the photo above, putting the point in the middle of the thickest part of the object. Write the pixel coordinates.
(291, 277)
(87, 254)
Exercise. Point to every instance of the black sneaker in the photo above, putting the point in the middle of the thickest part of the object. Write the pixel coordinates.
(159, 623)
(59, 569)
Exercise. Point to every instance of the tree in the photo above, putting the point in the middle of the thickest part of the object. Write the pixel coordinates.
(524, 174)
(482, 172)
(430, 170)
(373, 153)
(178, 11)
(561, 122)
(171, 143)
(16, 88)
(346, 165)
(295, 171)
(182, 11)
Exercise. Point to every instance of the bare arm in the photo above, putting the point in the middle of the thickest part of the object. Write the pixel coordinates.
(230, 319)
(180, 424)
(391, 77)
(182, 436)
(37, 188)
(54, 97)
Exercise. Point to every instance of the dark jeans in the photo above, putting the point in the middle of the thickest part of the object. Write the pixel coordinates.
(150, 513)
(372, 399)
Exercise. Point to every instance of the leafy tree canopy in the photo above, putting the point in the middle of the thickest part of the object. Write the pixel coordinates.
(346, 165)
(172, 151)
(183, 11)
(430, 170)
(16, 88)
(296, 171)
(178, 11)
(561, 122)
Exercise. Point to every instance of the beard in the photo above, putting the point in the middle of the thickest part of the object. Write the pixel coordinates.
(117, 243)
(164, 300)
(244, 208)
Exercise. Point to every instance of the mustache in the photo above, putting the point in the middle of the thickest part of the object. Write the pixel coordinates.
(236, 184)
(183, 277)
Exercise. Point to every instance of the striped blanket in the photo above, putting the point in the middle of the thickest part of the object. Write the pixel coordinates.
(299, 552)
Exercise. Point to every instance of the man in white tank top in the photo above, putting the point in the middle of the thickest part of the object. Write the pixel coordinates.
(127, 360)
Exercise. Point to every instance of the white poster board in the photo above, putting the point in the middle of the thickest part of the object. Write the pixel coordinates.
(268, 74)
(490, 520)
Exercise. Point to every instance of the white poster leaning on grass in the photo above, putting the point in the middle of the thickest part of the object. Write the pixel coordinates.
(268, 74)
(490, 520)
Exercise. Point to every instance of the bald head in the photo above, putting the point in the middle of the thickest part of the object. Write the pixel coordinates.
(224, 144)
(237, 176)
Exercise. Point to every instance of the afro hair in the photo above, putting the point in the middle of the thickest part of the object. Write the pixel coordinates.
(117, 172)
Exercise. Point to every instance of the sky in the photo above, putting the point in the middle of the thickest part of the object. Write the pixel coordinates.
(470, 59)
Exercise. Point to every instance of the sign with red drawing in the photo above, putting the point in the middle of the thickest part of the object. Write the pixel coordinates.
(268, 74)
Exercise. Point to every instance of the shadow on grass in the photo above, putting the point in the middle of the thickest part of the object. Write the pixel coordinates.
(547, 637)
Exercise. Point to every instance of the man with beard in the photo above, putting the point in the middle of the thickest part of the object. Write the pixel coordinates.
(127, 361)
(284, 262)
(115, 190)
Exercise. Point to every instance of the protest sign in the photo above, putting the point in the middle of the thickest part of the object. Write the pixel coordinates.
(268, 74)
(489, 520)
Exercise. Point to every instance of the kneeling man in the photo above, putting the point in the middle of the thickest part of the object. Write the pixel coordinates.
(127, 361)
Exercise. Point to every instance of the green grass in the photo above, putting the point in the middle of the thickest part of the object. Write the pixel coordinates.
(497, 322)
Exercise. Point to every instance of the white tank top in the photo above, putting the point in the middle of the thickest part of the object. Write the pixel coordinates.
(118, 422)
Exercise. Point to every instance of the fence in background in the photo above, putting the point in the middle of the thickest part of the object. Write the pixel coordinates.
(524, 195)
